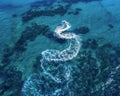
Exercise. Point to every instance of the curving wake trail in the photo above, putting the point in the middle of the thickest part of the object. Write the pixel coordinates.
(61, 74)
(68, 53)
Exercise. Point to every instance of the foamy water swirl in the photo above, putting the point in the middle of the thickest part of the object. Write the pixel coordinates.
(70, 52)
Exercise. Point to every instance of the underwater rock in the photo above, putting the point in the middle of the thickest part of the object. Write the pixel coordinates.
(110, 26)
(14, 15)
(82, 30)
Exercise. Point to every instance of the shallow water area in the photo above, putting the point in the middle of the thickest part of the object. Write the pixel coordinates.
(88, 66)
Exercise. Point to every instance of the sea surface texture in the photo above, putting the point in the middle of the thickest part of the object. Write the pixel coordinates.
(59, 47)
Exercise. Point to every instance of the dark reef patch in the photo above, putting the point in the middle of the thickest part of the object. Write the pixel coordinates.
(110, 26)
(75, 12)
(30, 14)
(29, 34)
(14, 15)
(81, 30)
(58, 40)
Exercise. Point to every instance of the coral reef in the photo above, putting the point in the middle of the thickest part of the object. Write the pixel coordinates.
(101, 64)
(29, 34)
(32, 13)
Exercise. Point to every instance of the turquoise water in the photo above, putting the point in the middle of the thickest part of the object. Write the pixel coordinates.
(59, 48)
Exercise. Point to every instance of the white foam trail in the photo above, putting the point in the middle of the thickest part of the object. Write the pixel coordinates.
(70, 52)
(51, 55)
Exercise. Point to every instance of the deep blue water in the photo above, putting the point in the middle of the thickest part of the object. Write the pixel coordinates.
(59, 48)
